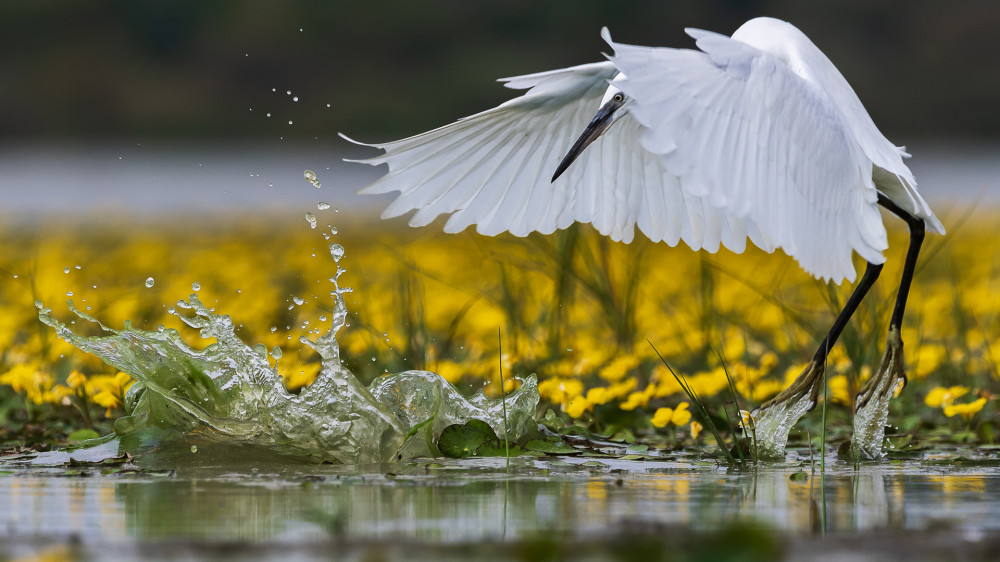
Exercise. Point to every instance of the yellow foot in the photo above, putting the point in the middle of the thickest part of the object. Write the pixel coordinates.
(872, 411)
(773, 419)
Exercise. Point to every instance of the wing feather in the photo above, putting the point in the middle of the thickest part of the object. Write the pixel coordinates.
(764, 146)
(492, 170)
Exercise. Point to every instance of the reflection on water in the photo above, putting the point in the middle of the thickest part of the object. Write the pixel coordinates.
(465, 501)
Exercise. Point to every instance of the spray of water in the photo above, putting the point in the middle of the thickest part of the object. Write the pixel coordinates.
(227, 392)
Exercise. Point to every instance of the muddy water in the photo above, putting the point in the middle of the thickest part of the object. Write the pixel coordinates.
(435, 502)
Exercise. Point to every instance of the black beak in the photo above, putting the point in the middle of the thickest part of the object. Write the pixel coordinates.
(596, 128)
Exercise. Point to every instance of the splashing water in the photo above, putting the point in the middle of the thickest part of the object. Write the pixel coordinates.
(311, 177)
(772, 426)
(873, 400)
(228, 393)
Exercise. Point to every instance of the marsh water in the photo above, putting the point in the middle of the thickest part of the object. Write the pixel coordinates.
(224, 500)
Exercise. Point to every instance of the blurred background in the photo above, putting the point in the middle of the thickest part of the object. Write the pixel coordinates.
(186, 105)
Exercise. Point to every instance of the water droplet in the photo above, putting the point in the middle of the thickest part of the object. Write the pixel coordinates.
(311, 219)
(311, 177)
(337, 251)
(66, 270)
(69, 293)
(150, 281)
(268, 113)
(194, 448)
(276, 352)
(298, 300)
(288, 92)
(333, 230)
(196, 286)
(274, 329)
(296, 98)
(289, 121)
(373, 359)
(322, 205)
(76, 267)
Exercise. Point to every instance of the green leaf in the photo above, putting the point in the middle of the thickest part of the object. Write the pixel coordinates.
(632, 458)
(461, 441)
(637, 450)
(498, 450)
(550, 447)
(82, 435)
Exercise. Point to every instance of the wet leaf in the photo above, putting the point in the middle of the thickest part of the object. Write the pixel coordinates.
(82, 435)
(637, 450)
(498, 450)
(550, 447)
(632, 458)
(800, 476)
(461, 441)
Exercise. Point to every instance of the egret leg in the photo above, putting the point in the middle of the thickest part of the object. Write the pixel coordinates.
(872, 404)
(775, 418)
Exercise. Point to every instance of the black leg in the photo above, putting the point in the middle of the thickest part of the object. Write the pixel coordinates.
(871, 274)
(916, 239)
(891, 370)
(808, 381)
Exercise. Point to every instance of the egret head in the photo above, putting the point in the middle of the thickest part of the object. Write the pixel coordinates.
(611, 110)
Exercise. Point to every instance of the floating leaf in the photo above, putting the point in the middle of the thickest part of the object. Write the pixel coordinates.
(632, 458)
(461, 441)
(550, 447)
(82, 435)
(800, 476)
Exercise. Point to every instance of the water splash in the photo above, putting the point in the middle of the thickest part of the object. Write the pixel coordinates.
(774, 419)
(311, 177)
(227, 392)
(873, 401)
(771, 426)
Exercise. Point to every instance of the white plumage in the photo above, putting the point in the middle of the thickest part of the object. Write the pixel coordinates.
(755, 135)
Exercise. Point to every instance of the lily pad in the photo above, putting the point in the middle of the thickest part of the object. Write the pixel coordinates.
(462, 441)
(550, 447)
(82, 435)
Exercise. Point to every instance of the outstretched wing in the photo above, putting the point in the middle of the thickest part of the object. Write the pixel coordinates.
(736, 125)
(493, 170)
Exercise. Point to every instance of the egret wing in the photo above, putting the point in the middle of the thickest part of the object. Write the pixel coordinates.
(737, 126)
(493, 170)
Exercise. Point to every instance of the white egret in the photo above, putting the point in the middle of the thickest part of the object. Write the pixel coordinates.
(753, 136)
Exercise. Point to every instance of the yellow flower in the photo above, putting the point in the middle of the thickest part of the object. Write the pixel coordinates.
(451, 371)
(560, 391)
(965, 410)
(661, 418)
(619, 367)
(838, 390)
(599, 395)
(681, 415)
(578, 406)
(677, 416)
(107, 399)
(768, 361)
(75, 379)
(746, 420)
(635, 400)
(695, 429)
(940, 397)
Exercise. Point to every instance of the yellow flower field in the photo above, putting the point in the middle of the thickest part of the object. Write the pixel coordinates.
(581, 311)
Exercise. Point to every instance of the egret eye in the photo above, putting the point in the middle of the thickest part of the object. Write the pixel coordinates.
(619, 98)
